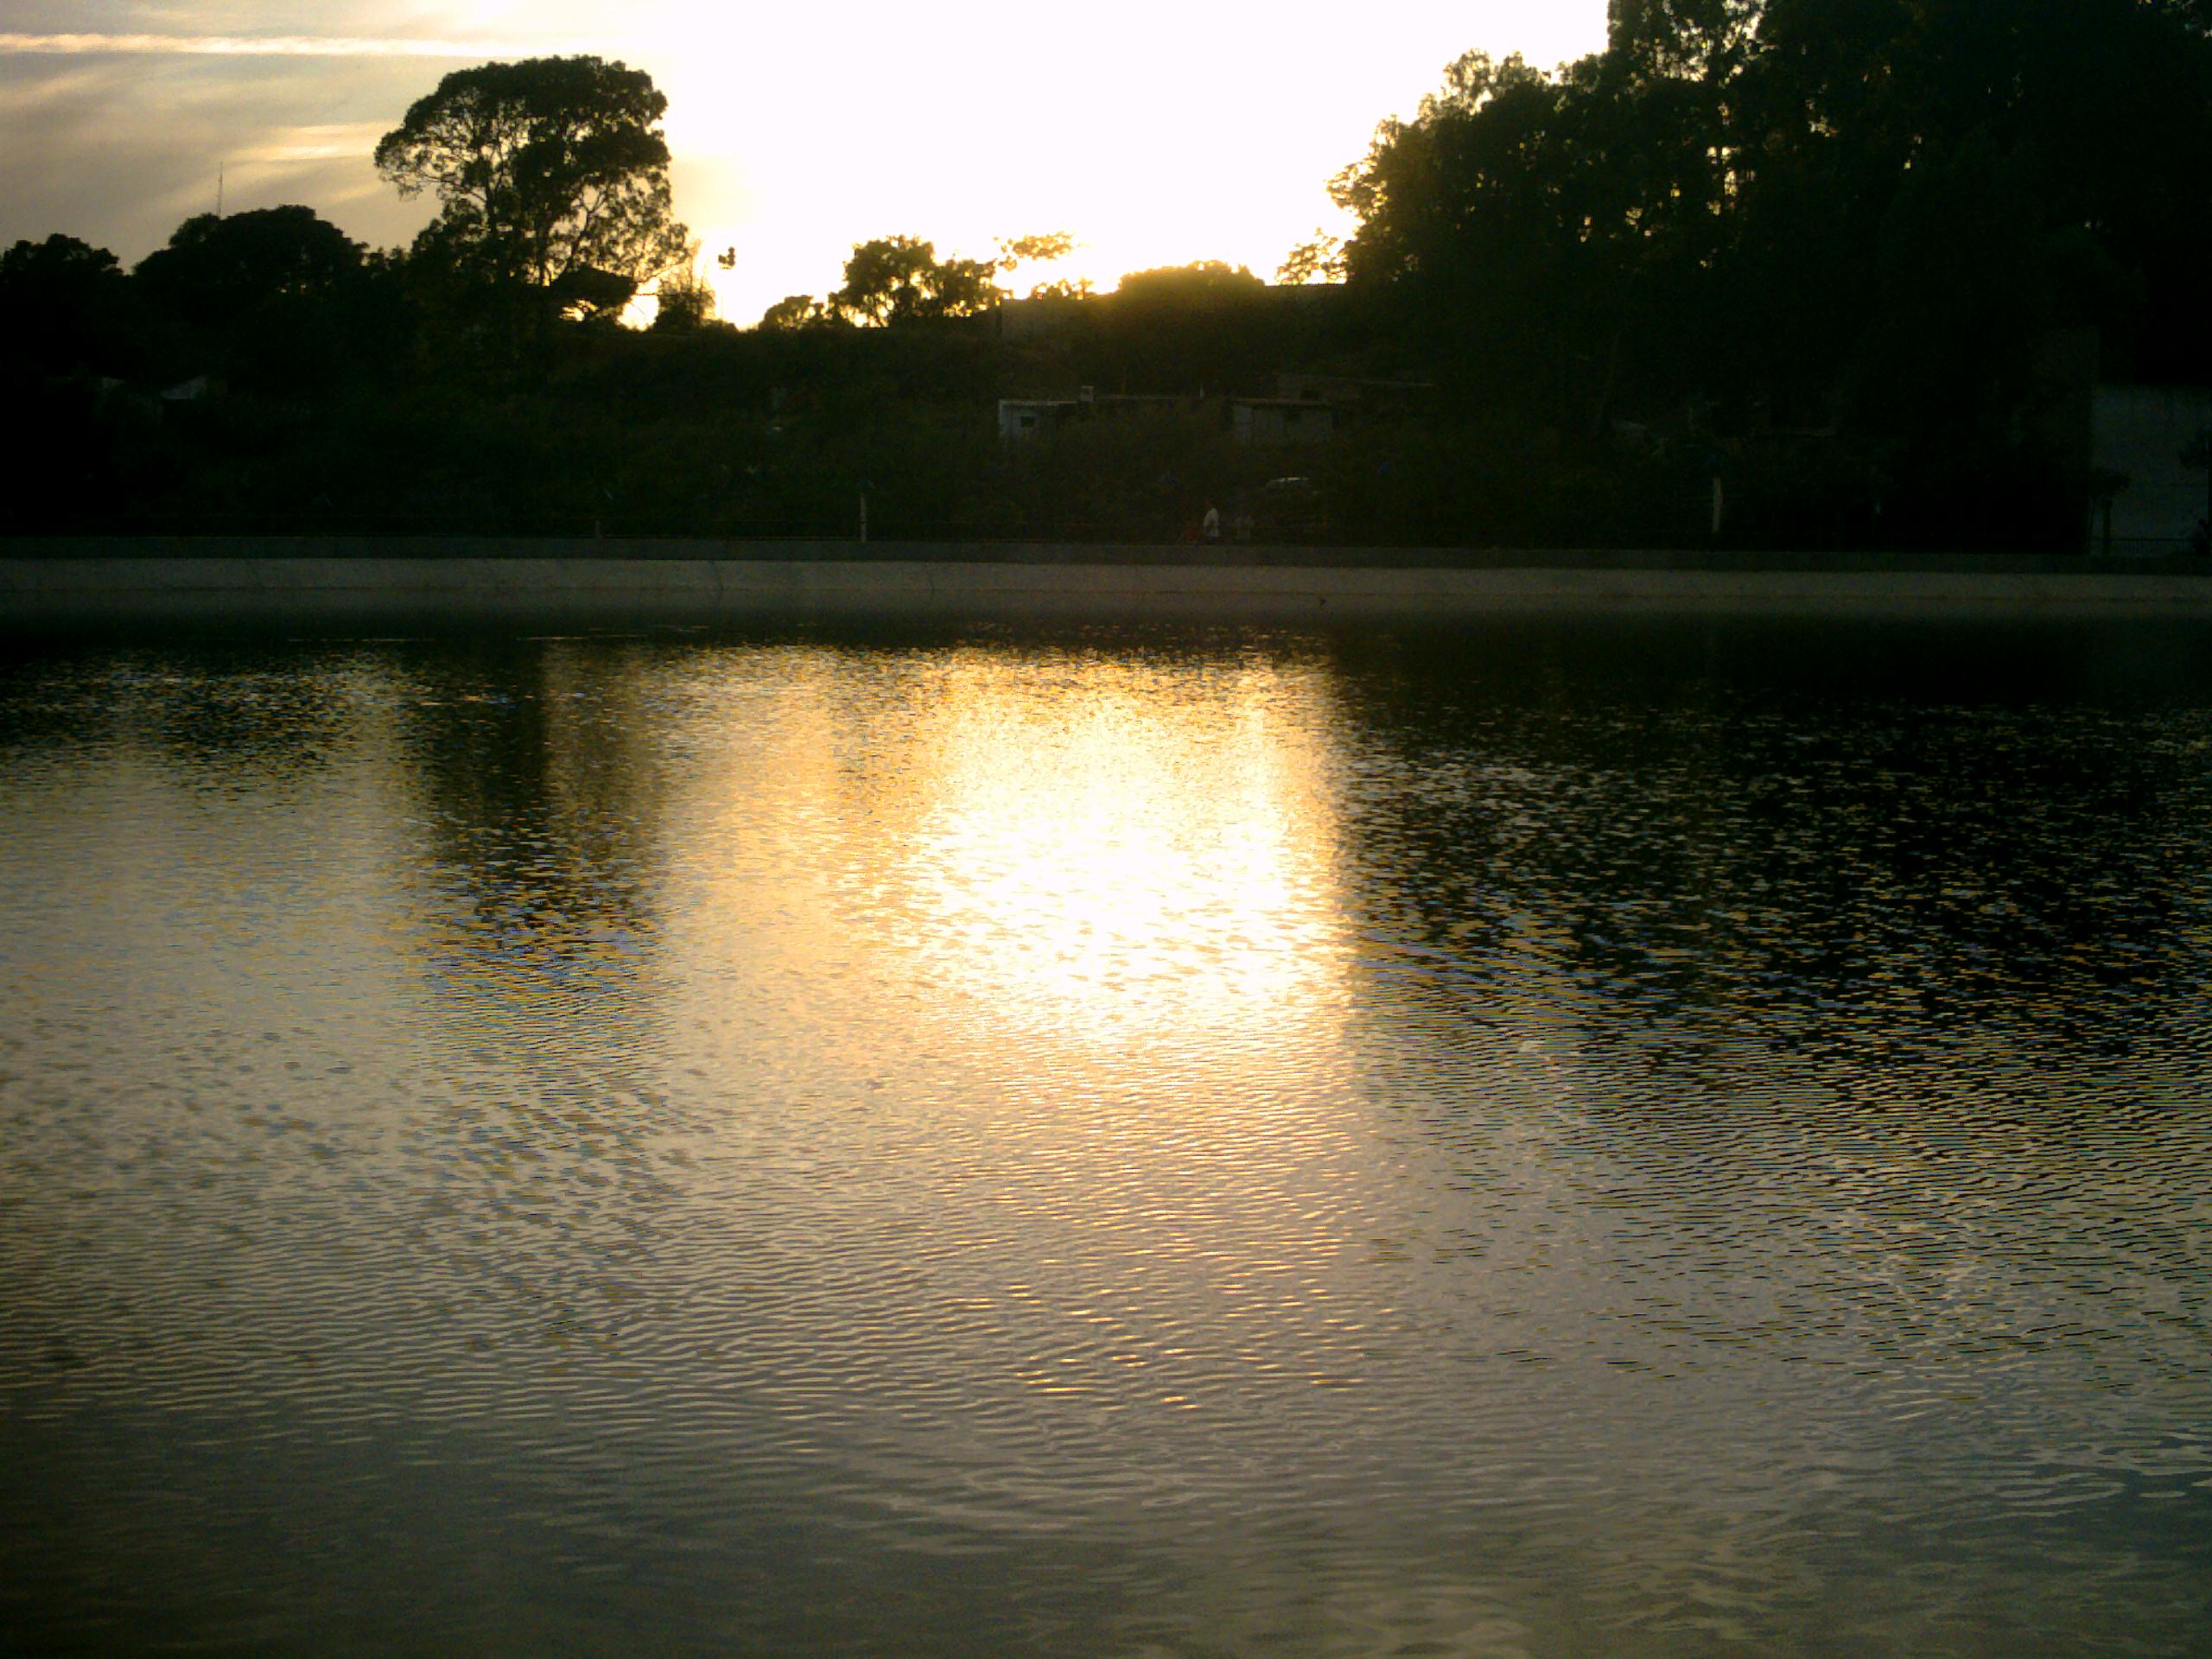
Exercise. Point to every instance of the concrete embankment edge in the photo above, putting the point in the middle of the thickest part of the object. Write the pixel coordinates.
(117, 588)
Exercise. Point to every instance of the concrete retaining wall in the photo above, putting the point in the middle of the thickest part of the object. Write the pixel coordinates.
(44, 590)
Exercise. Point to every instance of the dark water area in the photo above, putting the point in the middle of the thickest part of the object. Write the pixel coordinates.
(1616, 1137)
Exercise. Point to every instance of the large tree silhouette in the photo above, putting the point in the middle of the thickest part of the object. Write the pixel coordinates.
(551, 171)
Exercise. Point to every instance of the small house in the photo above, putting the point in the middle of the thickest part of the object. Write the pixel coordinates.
(1027, 420)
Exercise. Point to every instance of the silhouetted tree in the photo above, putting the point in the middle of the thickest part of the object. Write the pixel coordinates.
(1182, 288)
(1882, 207)
(800, 311)
(588, 293)
(1043, 249)
(684, 300)
(1183, 329)
(68, 306)
(1039, 249)
(544, 169)
(216, 271)
(1707, 40)
(40, 274)
(896, 279)
(1534, 225)
(1320, 258)
(899, 279)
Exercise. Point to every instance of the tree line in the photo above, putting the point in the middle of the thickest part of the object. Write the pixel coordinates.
(1857, 260)
(1893, 219)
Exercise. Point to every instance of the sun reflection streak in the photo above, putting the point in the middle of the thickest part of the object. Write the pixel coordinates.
(1134, 850)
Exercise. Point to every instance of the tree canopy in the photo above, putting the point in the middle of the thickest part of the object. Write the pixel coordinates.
(1866, 258)
(67, 303)
(1206, 282)
(800, 311)
(683, 299)
(544, 169)
(62, 261)
(215, 270)
(897, 279)
(1740, 193)
(894, 280)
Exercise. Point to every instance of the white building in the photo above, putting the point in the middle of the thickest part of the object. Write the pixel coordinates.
(1026, 420)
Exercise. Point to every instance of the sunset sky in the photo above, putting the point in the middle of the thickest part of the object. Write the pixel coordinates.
(1156, 131)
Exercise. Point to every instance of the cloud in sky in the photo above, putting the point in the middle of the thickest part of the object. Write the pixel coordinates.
(120, 150)
(1158, 131)
(265, 46)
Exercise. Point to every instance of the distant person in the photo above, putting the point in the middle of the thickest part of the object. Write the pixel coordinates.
(1210, 526)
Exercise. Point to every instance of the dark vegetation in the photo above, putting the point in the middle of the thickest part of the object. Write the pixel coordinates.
(1859, 261)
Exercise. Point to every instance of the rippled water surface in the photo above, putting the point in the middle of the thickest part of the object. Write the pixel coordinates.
(1650, 1138)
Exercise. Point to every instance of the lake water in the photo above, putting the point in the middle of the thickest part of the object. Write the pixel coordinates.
(1610, 1138)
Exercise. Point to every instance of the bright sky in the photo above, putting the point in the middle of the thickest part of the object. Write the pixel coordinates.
(1157, 131)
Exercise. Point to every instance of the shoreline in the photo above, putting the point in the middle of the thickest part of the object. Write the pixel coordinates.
(92, 580)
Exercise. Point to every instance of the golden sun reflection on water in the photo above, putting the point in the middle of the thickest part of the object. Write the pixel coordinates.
(1126, 849)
